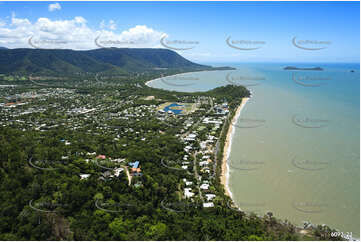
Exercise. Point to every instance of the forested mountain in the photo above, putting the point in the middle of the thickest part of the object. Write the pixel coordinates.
(113, 61)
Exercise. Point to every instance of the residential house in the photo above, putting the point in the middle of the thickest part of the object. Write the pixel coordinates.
(208, 205)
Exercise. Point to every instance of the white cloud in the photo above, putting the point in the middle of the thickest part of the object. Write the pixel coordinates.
(102, 24)
(54, 6)
(112, 25)
(18, 21)
(73, 34)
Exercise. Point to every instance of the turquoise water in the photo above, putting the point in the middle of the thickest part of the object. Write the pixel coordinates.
(175, 111)
(302, 163)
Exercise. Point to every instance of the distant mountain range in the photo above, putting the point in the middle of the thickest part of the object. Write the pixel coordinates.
(107, 60)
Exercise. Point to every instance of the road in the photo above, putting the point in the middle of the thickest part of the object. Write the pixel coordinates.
(196, 174)
(128, 175)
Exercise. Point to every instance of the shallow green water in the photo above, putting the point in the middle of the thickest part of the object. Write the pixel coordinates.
(295, 150)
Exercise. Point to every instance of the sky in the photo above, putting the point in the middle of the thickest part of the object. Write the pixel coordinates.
(203, 32)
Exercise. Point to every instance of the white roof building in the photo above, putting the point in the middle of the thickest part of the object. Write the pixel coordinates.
(84, 176)
(188, 193)
(210, 196)
(117, 171)
(203, 145)
(118, 160)
(208, 205)
(204, 186)
(192, 135)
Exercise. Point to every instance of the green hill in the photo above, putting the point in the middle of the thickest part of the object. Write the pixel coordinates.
(113, 61)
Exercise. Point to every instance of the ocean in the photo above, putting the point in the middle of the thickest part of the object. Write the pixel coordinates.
(296, 146)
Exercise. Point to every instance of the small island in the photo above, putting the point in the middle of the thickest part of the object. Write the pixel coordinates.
(293, 68)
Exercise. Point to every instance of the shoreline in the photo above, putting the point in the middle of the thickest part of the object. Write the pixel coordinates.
(147, 82)
(225, 173)
(227, 148)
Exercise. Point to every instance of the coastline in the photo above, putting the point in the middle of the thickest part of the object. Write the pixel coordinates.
(227, 148)
(147, 82)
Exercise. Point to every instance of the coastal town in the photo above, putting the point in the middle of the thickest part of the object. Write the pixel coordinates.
(128, 140)
(179, 121)
(196, 122)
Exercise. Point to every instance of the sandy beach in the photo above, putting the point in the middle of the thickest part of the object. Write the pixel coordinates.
(147, 83)
(227, 148)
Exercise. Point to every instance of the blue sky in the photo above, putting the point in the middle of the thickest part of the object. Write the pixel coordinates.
(267, 28)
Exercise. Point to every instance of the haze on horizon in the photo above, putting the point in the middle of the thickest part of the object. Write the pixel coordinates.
(199, 31)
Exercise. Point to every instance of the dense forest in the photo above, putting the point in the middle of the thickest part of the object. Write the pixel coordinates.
(118, 61)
